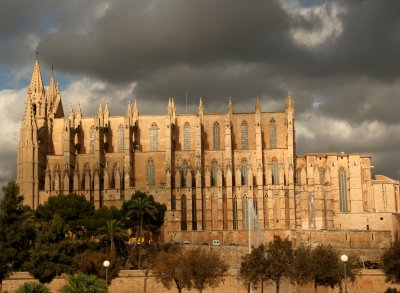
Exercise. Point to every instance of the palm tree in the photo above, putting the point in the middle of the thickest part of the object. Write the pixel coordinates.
(113, 230)
(81, 283)
(139, 207)
(33, 287)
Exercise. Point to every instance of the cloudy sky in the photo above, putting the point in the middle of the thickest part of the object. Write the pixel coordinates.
(339, 58)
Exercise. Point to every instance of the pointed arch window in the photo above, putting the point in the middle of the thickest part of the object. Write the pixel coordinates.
(343, 190)
(214, 173)
(186, 137)
(183, 177)
(235, 213)
(121, 139)
(183, 173)
(298, 177)
(275, 172)
(154, 138)
(245, 135)
(183, 213)
(245, 208)
(243, 171)
(173, 202)
(272, 134)
(216, 136)
(91, 140)
(150, 173)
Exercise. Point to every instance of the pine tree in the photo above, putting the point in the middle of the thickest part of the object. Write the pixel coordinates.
(17, 231)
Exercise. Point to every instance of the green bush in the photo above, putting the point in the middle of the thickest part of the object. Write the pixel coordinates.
(32, 287)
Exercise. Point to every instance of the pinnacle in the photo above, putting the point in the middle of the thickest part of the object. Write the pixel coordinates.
(36, 85)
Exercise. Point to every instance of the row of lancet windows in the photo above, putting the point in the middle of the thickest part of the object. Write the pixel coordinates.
(249, 209)
(342, 178)
(186, 137)
(120, 140)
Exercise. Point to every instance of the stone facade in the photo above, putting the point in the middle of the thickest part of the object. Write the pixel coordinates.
(212, 170)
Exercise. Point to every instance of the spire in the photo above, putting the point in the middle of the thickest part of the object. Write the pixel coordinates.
(230, 106)
(71, 114)
(107, 110)
(201, 108)
(129, 112)
(100, 113)
(78, 114)
(135, 111)
(52, 91)
(173, 110)
(36, 85)
(169, 108)
(289, 101)
(258, 106)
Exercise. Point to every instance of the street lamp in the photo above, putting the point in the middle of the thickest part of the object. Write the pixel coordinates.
(344, 258)
(106, 264)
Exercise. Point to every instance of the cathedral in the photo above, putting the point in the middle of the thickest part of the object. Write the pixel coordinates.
(214, 171)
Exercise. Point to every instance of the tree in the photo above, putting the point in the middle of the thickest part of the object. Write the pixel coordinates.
(150, 223)
(52, 253)
(81, 283)
(253, 267)
(90, 262)
(171, 268)
(139, 207)
(322, 266)
(302, 268)
(325, 267)
(73, 209)
(391, 263)
(33, 287)
(279, 260)
(113, 231)
(207, 269)
(17, 230)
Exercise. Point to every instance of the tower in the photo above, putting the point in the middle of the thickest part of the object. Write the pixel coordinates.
(41, 108)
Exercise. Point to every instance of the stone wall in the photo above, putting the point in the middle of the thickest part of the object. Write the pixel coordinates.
(371, 281)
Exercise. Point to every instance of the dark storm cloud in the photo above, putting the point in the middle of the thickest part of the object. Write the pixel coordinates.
(136, 39)
(218, 49)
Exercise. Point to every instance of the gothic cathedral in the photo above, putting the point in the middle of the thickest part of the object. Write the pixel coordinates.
(218, 173)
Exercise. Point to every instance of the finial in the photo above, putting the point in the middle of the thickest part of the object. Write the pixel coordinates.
(129, 111)
(258, 106)
(230, 106)
(106, 109)
(201, 108)
(289, 100)
(100, 110)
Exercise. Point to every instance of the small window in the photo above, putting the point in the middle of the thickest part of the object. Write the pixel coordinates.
(343, 190)
(91, 134)
(183, 213)
(120, 139)
(298, 177)
(244, 173)
(272, 134)
(275, 172)
(216, 136)
(245, 207)
(214, 172)
(150, 173)
(235, 213)
(154, 138)
(245, 135)
(186, 137)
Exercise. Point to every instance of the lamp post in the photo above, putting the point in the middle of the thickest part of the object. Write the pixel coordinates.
(344, 258)
(106, 264)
